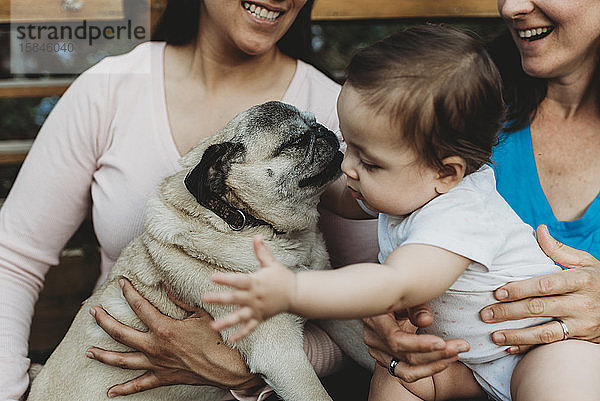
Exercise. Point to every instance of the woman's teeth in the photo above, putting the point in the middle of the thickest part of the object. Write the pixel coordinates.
(534, 33)
(259, 12)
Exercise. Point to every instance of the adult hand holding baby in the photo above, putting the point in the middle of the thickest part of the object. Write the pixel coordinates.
(571, 295)
(393, 336)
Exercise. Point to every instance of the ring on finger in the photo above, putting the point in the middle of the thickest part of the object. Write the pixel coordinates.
(564, 328)
(392, 367)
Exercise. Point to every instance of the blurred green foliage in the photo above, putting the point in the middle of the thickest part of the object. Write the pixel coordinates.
(335, 42)
(17, 118)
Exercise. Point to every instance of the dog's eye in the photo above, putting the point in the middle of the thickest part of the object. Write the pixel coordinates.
(300, 141)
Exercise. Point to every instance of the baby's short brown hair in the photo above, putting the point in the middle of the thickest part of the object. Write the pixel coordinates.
(440, 89)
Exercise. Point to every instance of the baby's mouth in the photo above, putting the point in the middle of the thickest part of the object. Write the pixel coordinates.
(261, 12)
(532, 34)
(356, 194)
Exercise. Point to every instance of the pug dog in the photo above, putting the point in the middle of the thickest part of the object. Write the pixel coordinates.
(263, 173)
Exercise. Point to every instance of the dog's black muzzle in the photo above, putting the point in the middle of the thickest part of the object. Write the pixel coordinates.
(331, 158)
(329, 136)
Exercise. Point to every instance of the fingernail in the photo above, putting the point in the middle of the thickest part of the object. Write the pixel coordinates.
(501, 294)
(498, 338)
(93, 312)
(89, 354)
(439, 346)
(462, 347)
(487, 315)
(513, 350)
(110, 394)
(121, 283)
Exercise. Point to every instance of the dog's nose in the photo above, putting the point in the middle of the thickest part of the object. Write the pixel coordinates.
(328, 135)
(323, 132)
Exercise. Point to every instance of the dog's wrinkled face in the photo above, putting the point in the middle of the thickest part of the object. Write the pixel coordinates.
(271, 160)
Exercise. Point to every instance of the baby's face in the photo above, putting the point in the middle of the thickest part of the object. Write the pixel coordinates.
(381, 171)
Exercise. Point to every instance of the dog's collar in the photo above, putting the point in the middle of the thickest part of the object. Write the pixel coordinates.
(237, 219)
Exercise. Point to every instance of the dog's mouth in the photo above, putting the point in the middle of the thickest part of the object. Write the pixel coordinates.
(331, 171)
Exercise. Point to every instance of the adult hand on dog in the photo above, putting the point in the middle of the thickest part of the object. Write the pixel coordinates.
(419, 355)
(172, 351)
(571, 295)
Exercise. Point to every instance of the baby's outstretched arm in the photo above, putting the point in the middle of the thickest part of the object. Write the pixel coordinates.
(260, 295)
(412, 274)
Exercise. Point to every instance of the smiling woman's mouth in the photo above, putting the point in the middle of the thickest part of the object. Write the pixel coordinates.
(532, 34)
(261, 12)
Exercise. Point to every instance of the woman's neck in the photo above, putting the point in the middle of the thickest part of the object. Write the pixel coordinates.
(207, 84)
(216, 67)
(575, 95)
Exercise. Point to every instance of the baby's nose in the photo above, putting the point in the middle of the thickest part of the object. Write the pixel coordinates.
(347, 167)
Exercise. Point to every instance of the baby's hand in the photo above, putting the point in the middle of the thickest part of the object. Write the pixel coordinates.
(260, 295)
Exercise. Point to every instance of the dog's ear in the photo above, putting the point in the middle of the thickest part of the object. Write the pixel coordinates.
(207, 179)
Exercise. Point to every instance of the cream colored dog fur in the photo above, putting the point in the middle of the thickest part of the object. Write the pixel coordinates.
(271, 162)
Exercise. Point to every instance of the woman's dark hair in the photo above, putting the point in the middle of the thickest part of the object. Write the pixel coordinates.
(440, 89)
(178, 25)
(522, 93)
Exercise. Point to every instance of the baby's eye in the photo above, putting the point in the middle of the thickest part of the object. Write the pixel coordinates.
(368, 166)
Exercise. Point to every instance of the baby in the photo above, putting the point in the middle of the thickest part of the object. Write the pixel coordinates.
(420, 112)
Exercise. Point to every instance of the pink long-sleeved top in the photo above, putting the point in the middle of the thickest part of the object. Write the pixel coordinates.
(104, 147)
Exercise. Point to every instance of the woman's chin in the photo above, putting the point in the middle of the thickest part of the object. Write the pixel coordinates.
(538, 69)
(256, 46)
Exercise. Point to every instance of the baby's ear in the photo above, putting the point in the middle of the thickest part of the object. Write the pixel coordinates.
(453, 171)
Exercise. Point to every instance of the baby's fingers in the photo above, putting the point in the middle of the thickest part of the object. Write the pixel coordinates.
(243, 331)
(226, 298)
(233, 318)
(264, 256)
(240, 281)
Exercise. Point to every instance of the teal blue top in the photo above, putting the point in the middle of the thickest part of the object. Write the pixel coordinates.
(518, 182)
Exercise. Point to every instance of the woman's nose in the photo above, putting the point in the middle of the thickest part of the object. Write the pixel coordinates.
(513, 9)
